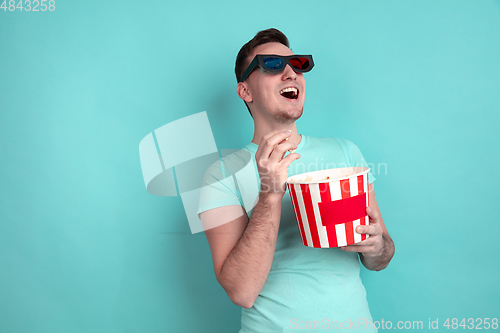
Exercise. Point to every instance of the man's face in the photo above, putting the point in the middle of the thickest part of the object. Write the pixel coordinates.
(268, 91)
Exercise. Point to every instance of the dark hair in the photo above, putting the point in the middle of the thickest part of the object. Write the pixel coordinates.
(262, 37)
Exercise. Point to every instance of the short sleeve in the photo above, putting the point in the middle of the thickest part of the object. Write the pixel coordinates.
(358, 160)
(233, 180)
(218, 189)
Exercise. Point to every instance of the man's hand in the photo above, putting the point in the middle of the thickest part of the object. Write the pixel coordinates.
(376, 251)
(373, 246)
(271, 164)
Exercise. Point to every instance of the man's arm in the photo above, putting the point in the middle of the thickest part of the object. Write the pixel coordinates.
(243, 250)
(377, 250)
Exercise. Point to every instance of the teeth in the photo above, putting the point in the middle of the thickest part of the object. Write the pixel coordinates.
(293, 89)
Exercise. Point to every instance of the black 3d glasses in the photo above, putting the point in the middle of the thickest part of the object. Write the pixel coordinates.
(276, 63)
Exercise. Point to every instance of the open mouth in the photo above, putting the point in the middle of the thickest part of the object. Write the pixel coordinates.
(290, 93)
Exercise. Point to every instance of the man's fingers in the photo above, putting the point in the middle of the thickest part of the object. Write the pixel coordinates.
(368, 241)
(369, 229)
(357, 248)
(285, 163)
(280, 150)
(268, 143)
(270, 134)
(372, 213)
(263, 140)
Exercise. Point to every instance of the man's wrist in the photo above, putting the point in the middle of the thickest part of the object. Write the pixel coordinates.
(271, 197)
(381, 261)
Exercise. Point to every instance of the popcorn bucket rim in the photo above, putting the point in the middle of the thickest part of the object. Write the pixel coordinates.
(305, 174)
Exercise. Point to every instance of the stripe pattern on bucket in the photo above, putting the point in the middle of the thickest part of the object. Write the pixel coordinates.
(307, 202)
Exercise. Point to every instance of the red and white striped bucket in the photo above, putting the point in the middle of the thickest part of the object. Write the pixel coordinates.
(329, 205)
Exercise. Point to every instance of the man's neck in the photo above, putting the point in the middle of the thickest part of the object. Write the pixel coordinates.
(260, 131)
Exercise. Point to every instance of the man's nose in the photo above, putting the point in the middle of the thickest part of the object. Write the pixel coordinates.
(289, 73)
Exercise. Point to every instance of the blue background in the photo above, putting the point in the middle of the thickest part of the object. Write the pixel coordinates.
(84, 247)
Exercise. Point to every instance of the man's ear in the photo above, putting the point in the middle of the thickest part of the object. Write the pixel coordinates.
(243, 92)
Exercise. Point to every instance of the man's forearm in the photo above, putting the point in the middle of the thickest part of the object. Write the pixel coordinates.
(380, 262)
(247, 266)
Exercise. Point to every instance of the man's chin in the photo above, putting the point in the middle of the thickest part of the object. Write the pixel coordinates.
(289, 116)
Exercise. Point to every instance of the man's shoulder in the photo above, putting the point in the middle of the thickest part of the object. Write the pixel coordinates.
(230, 162)
(231, 180)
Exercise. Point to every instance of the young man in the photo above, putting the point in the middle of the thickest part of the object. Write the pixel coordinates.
(258, 256)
